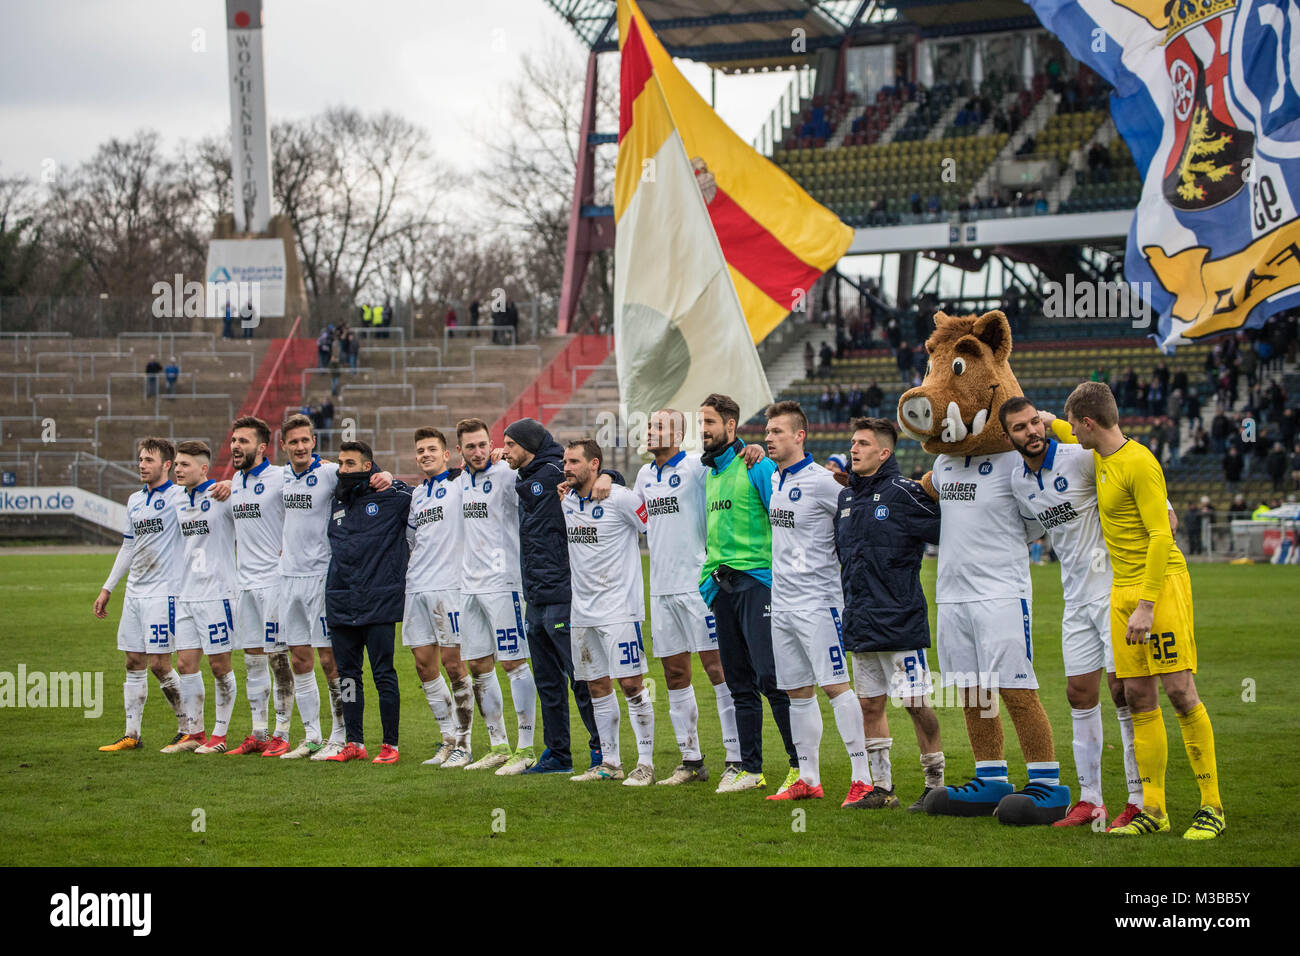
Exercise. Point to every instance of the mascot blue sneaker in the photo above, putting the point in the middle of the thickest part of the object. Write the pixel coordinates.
(978, 798)
(1039, 804)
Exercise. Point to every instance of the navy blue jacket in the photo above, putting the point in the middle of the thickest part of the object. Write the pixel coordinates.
(543, 542)
(881, 528)
(366, 582)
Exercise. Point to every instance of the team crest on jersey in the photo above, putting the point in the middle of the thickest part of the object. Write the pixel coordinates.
(882, 512)
(986, 467)
(796, 494)
(440, 493)
(258, 488)
(205, 505)
(597, 511)
(372, 509)
(311, 481)
(487, 486)
(536, 487)
(674, 481)
(1060, 484)
(159, 505)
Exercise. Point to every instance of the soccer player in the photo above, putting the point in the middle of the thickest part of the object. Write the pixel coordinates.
(492, 615)
(151, 552)
(672, 489)
(256, 495)
(1151, 606)
(1058, 486)
(736, 582)
(431, 619)
(607, 610)
(881, 529)
(807, 639)
(205, 623)
(308, 491)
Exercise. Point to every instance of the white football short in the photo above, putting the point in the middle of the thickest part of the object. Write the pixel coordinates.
(302, 611)
(493, 624)
(611, 650)
(209, 625)
(148, 625)
(900, 674)
(808, 648)
(257, 619)
(987, 644)
(681, 624)
(431, 617)
(1085, 638)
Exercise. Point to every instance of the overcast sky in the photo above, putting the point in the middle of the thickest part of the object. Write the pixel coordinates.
(75, 72)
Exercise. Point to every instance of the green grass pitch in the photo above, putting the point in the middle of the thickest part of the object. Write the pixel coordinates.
(64, 803)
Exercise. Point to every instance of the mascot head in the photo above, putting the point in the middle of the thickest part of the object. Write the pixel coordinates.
(954, 411)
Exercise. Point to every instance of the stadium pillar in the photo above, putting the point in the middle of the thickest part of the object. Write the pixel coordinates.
(586, 233)
(906, 278)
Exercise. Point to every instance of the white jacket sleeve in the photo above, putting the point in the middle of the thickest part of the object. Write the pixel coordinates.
(121, 564)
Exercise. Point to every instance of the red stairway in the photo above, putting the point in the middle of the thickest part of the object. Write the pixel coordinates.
(557, 382)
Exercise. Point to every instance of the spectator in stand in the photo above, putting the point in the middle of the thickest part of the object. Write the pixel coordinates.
(1232, 469)
(1172, 439)
(326, 412)
(826, 355)
(1219, 429)
(853, 404)
(449, 320)
(1040, 203)
(1128, 391)
(874, 398)
(1193, 407)
(824, 405)
(473, 317)
(1194, 525)
(249, 319)
(809, 361)
(1238, 509)
(1275, 465)
(904, 360)
(151, 371)
(325, 347)
(1295, 466)
(1099, 374)
(1099, 163)
(227, 322)
(351, 346)
(335, 368)
(171, 373)
(1175, 405)
(1287, 426)
(837, 404)
(1200, 441)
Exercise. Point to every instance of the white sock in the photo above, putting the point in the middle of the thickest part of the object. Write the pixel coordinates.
(882, 771)
(1132, 778)
(1087, 752)
(642, 714)
(135, 690)
(462, 697)
(727, 717)
(258, 685)
(932, 766)
(684, 713)
(848, 718)
(806, 729)
(438, 695)
(226, 691)
(605, 710)
(338, 729)
(523, 694)
(192, 701)
(307, 693)
(171, 688)
(282, 686)
(487, 690)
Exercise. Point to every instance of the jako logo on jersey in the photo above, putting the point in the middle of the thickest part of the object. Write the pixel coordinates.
(536, 487)
(796, 494)
(440, 493)
(372, 509)
(674, 481)
(1060, 484)
(487, 486)
(159, 505)
(882, 512)
(258, 488)
(206, 505)
(597, 511)
(986, 467)
(311, 481)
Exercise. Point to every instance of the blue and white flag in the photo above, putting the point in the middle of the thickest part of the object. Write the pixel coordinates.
(1207, 96)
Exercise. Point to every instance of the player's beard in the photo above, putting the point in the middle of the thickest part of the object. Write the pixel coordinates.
(1024, 449)
(715, 449)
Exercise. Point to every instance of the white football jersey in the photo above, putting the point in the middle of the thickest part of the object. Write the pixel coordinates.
(436, 533)
(674, 500)
(605, 558)
(489, 505)
(805, 565)
(256, 502)
(208, 530)
(153, 528)
(1062, 495)
(983, 537)
(308, 497)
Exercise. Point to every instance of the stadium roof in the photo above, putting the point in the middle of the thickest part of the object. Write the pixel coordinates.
(735, 35)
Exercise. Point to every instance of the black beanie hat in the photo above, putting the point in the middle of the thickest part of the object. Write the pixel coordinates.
(528, 434)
